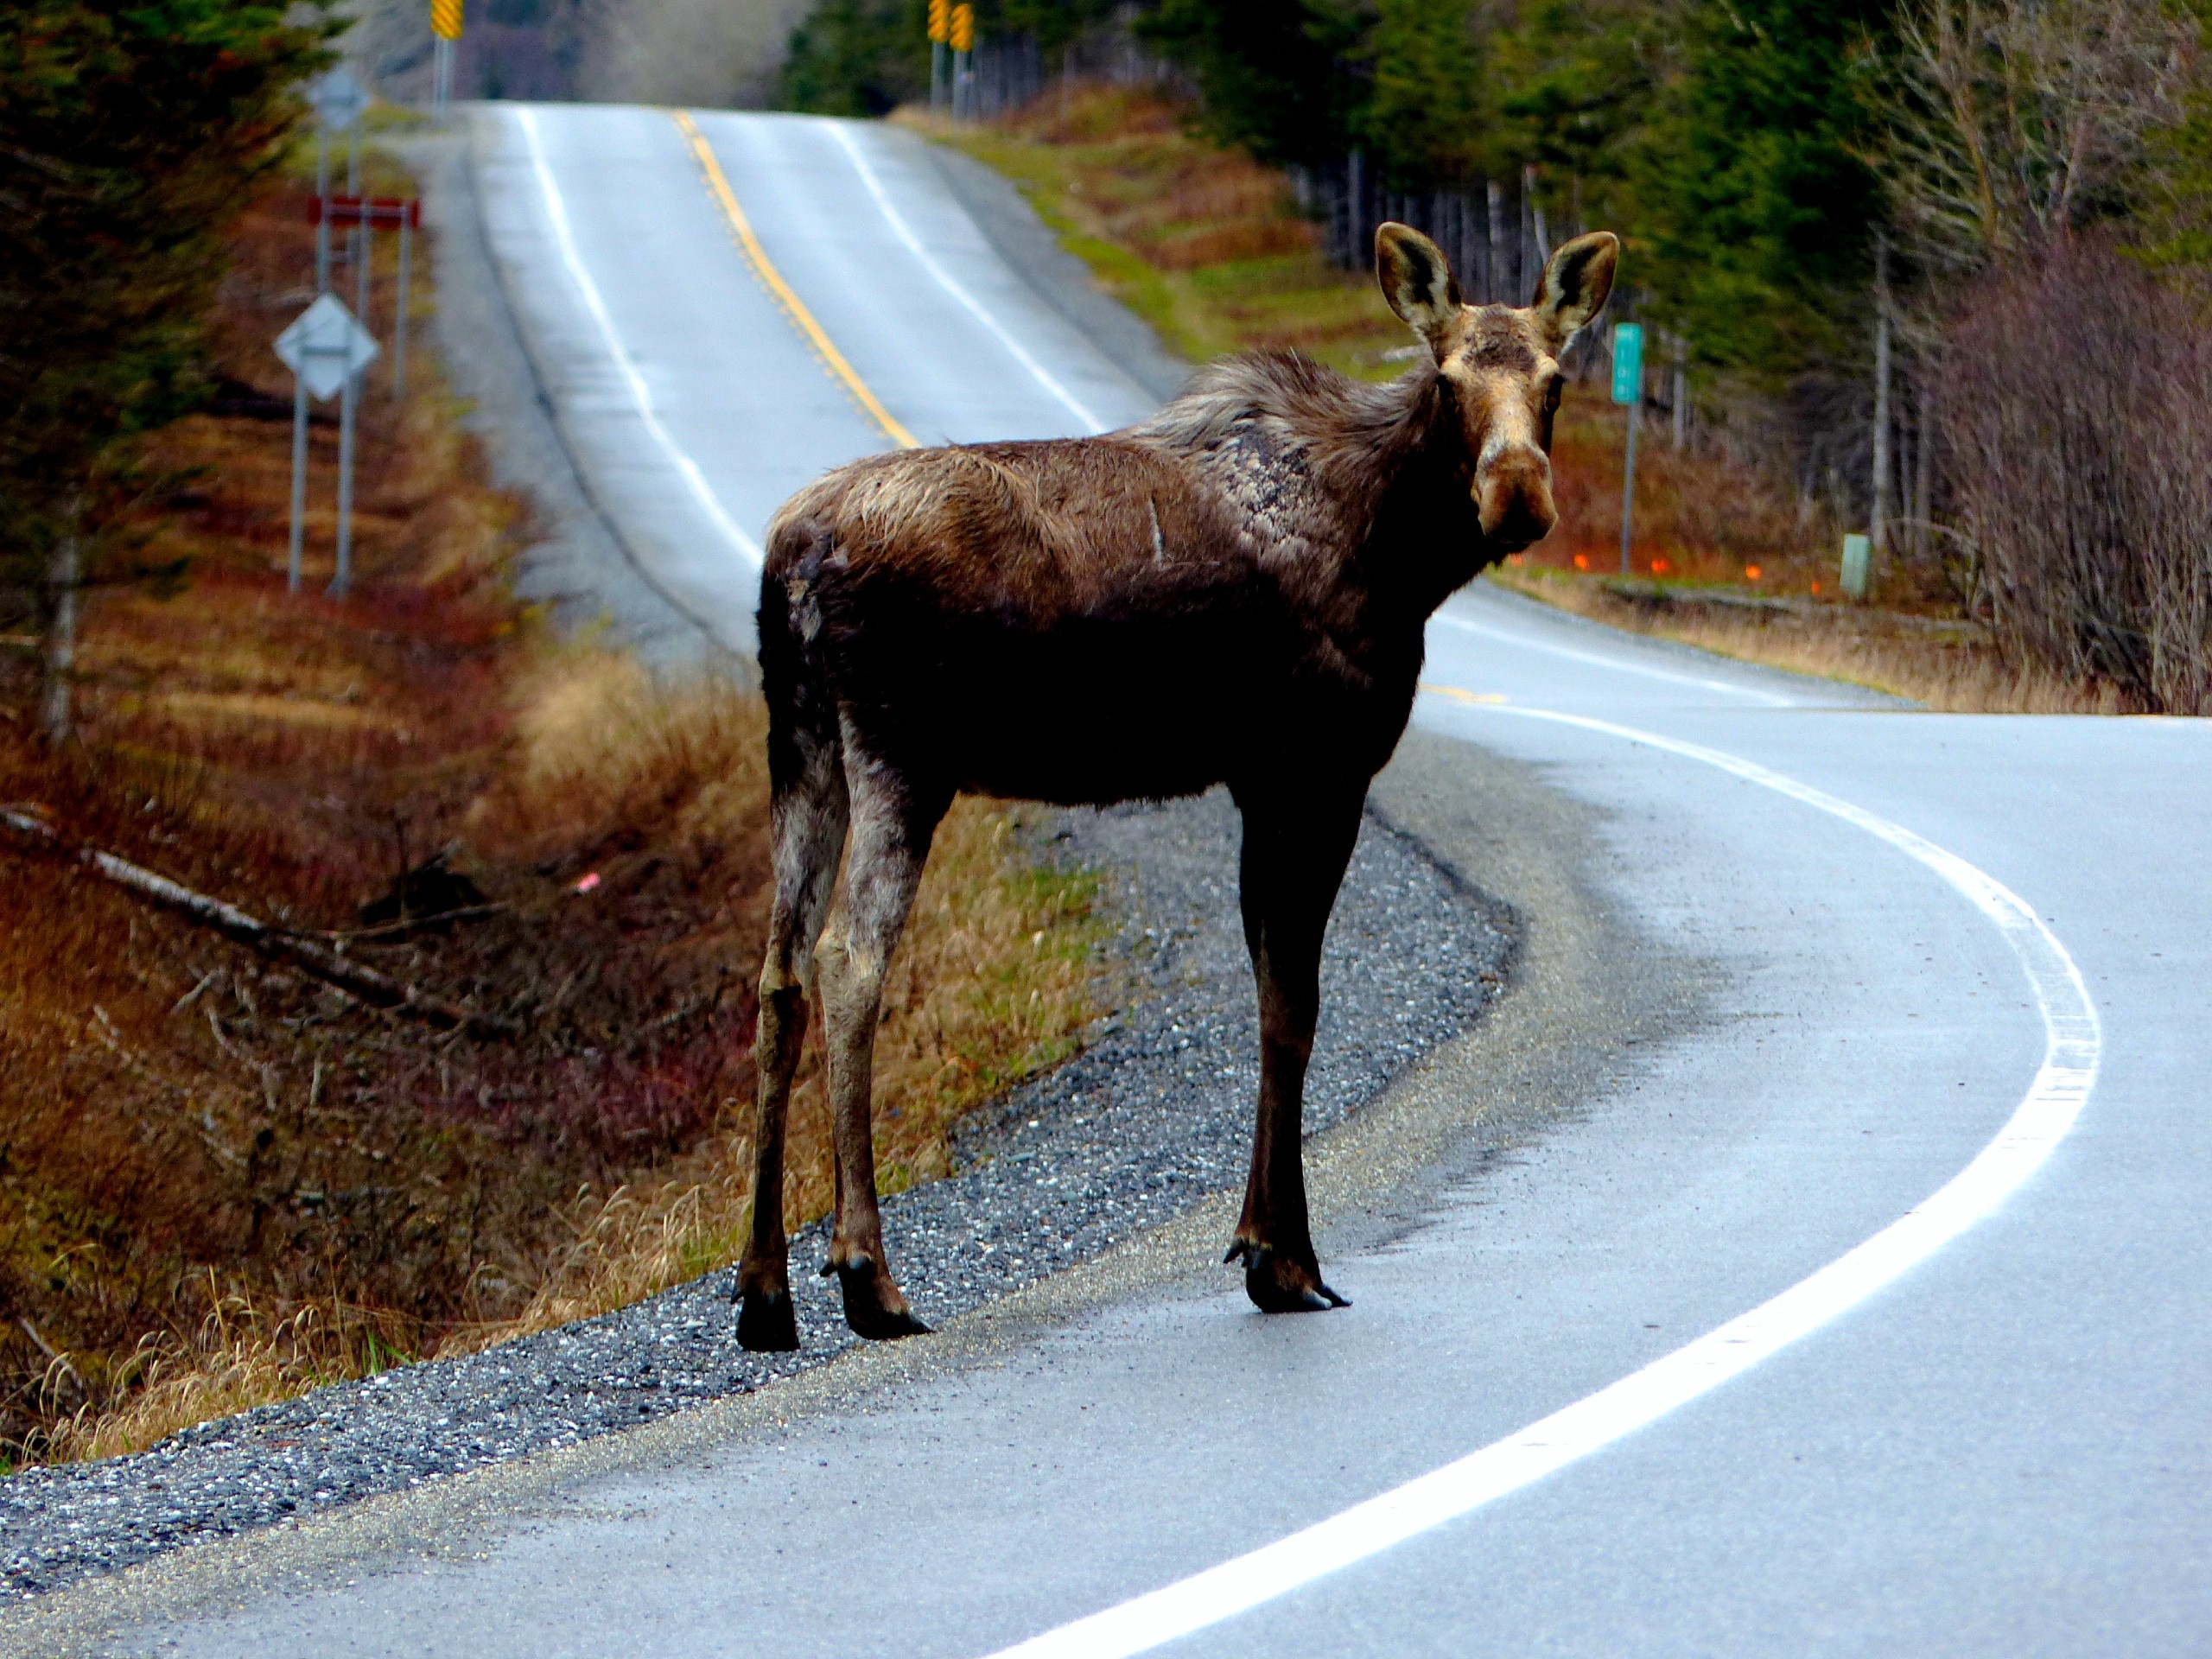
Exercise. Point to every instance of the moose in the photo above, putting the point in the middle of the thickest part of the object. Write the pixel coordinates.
(1232, 592)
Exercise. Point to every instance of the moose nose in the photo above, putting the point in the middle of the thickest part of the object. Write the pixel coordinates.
(1513, 497)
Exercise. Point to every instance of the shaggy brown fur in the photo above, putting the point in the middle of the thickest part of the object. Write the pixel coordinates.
(1233, 592)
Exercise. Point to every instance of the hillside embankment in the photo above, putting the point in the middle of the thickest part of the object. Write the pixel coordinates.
(1211, 249)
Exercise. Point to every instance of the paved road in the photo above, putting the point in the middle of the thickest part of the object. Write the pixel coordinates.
(691, 400)
(1985, 1431)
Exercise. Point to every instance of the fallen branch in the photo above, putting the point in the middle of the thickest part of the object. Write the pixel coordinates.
(364, 984)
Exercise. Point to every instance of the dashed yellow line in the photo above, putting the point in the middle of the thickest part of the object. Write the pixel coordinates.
(772, 279)
(1457, 694)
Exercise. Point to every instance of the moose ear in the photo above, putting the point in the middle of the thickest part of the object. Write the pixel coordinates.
(1573, 287)
(1417, 280)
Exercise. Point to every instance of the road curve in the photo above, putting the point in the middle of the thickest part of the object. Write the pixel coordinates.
(1989, 1437)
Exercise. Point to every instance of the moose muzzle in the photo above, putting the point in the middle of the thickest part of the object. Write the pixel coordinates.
(1513, 496)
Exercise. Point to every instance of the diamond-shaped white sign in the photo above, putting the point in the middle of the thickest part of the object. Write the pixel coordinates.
(326, 344)
(338, 99)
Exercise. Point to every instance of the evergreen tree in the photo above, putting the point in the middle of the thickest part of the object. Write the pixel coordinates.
(1761, 213)
(131, 131)
(858, 57)
(1422, 115)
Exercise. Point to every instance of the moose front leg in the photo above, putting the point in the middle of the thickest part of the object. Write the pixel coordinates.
(891, 841)
(1295, 851)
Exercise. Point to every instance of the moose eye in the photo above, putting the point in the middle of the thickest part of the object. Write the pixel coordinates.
(1553, 389)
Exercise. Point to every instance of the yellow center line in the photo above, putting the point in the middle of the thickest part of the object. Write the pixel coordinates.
(772, 279)
(1457, 694)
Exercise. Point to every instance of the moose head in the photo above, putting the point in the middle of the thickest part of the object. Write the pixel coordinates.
(1501, 363)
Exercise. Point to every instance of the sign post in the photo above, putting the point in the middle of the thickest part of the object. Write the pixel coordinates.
(962, 41)
(940, 33)
(327, 349)
(337, 101)
(445, 28)
(1628, 388)
(404, 213)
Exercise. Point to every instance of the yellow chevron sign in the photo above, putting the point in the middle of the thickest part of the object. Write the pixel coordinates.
(963, 29)
(940, 20)
(445, 19)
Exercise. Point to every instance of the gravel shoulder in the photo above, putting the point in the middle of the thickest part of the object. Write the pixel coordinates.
(1151, 1118)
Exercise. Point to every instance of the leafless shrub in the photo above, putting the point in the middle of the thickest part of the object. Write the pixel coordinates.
(2077, 407)
(2008, 122)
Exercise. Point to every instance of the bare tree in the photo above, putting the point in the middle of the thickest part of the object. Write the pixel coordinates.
(2009, 122)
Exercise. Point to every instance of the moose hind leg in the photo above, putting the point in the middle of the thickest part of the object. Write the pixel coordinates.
(1295, 855)
(892, 823)
(808, 832)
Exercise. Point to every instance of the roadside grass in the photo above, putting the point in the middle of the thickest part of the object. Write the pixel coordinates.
(223, 1183)
(1207, 246)
(1950, 667)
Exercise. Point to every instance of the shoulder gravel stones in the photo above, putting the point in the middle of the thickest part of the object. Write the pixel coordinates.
(1154, 1115)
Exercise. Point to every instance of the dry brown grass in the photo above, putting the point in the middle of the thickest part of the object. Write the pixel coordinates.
(1205, 244)
(221, 1184)
(1951, 669)
(994, 981)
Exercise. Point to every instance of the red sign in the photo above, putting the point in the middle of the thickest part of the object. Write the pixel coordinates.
(368, 210)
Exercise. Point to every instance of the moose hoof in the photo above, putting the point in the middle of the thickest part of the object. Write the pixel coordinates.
(873, 1306)
(1277, 1286)
(767, 1322)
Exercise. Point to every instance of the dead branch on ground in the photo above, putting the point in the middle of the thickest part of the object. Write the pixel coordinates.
(363, 983)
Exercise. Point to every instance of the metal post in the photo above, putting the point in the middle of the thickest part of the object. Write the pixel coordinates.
(1878, 526)
(323, 220)
(366, 246)
(299, 479)
(355, 235)
(342, 577)
(938, 53)
(1627, 483)
(399, 308)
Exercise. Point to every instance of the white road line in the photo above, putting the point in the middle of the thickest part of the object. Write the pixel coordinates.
(943, 278)
(1773, 699)
(2072, 1048)
(557, 211)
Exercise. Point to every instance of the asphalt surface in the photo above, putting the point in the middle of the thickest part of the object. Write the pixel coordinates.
(1751, 1034)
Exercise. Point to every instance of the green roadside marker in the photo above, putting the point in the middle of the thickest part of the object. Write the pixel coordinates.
(1628, 388)
(1628, 363)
